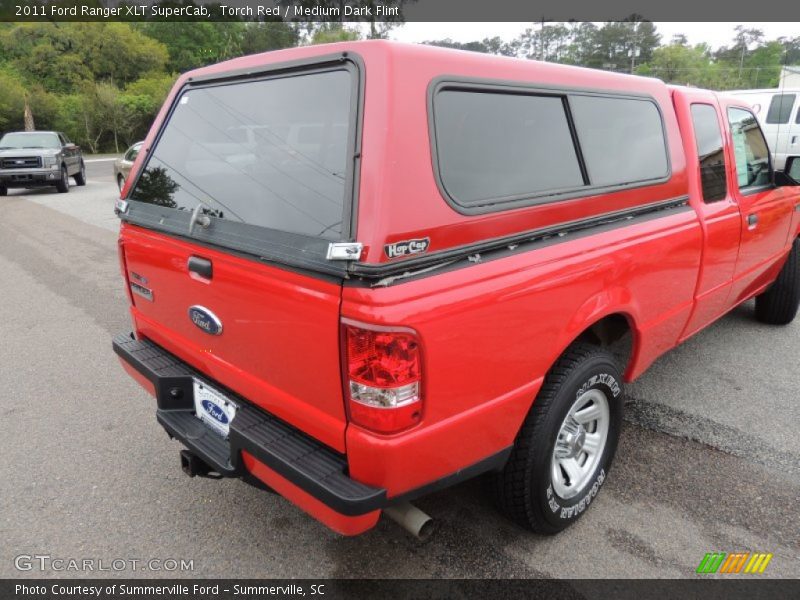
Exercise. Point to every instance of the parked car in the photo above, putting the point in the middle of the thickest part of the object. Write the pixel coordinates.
(778, 113)
(421, 265)
(39, 158)
(122, 166)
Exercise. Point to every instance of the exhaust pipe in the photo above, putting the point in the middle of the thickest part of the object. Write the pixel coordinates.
(412, 519)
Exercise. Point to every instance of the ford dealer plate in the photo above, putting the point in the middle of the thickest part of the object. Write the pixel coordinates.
(213, 408)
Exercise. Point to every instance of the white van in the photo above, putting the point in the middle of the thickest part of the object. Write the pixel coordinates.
(779, 117)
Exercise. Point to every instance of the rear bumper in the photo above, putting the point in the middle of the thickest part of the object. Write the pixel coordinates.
(258, 442)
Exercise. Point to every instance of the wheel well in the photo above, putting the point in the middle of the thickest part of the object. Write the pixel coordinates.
(613, 332)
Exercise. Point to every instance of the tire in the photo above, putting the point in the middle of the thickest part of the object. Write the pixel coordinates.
(779, 304)
(80, 176)
(63, 185)
(532, 489)
(3, 190)
(120, 182)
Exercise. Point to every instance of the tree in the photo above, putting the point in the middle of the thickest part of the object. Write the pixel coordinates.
(265, 36)
(550, 42)
(12, 100)
(493, 45)
(195, 44)
(157, 187)
(737, 53)
(61, 55)
(791, 50)
(681, 64)
(362, 10)
(621, 45)
(327, 33)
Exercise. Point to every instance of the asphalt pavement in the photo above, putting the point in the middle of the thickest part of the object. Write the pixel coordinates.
(709, 459)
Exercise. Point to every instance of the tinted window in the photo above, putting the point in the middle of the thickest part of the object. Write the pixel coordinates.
(793, 167)
(709, 149)
(500, 146)
(132, 153)
(30, 140)
(780, 109)
(271, 153)
(750, 149)
(622, 139)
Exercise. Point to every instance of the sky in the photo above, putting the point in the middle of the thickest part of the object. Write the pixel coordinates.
(714, 34)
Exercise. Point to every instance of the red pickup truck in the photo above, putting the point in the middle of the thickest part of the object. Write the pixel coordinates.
(361, 272)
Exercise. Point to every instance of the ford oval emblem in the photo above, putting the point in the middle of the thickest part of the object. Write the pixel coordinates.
(215, 412)
(205, 320)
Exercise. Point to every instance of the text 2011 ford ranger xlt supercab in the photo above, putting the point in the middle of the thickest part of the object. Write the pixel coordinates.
(361, 272)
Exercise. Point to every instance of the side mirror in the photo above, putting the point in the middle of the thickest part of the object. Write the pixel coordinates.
(790, 176)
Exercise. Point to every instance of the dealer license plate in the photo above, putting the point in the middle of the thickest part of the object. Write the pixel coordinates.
(213, 408)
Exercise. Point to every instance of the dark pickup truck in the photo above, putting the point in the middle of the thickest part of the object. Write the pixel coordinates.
(39, 158)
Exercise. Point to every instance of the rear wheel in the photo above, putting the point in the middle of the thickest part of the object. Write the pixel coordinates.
(3, 190)
(779, 304)
(564, 450)
(63, 185)
(80, 176)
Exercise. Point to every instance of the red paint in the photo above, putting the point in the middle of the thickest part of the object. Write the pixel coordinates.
(280, 347)
(489, 331)
(338, 522)
(139, 378)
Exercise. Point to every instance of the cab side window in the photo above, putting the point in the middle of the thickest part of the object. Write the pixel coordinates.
(708, 138)
(780, 109)
(750, 150)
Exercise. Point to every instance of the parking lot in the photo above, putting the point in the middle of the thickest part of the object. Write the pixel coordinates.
(709, 459)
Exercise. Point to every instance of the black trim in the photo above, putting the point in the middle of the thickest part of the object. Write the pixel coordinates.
(200, 266)
(307, 463)
(495, 462)
(496, 205)
(331, 272)
(296, 250)
(522, 241)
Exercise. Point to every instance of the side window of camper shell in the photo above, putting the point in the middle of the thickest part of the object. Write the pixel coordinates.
(499, 147)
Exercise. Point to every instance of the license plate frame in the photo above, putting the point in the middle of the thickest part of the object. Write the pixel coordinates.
(214, 408)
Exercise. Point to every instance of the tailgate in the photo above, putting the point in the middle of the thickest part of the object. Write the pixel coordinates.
(226, 233)
(279, 339)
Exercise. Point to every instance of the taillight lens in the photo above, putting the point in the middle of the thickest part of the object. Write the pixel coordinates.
(384, 377)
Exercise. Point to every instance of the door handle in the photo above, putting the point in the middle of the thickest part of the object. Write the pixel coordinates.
(200, 266)
(752, 221)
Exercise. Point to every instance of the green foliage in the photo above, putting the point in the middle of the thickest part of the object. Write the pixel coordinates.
(263, 37)
(493, 45)
(62, 55)
(192, 45)
(633, 46)
(334, 32)
(12, 100)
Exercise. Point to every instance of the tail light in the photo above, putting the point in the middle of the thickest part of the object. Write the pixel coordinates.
(383, 383)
